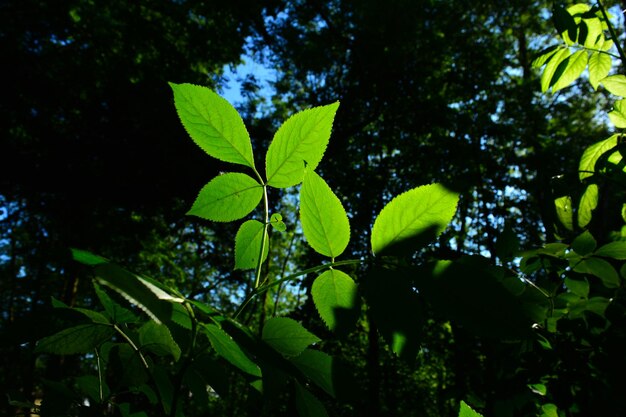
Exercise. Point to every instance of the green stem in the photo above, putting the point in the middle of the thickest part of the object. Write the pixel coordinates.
(258, 290)
(620, 51)
(259, 265)
(133, 345)
(99, 366)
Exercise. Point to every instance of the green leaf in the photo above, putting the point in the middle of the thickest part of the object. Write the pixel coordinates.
(618, 114)
(564, 23)
(413, 219)
(615, 84)
(573, 66)
(578, 287)
(227, 348)
(467, 411)
(213, 124)
(87, 258)
(564, 212)
(588, 203)
(277, 222)
(287, 336)
(599, 67)
(615, 250)
(227, 197)
(595, 35)
(133, 288)
(90, 386)
(317, 366)
(83, 338)
(248, 245)
(587, 165)
(336, 299)
(551, 68)
(116, 312)
(307, 404)
(300, 141)
(157, 339)
(549, 410)
(545, 55)
(539, 389)
(601, 269)
(584, 243)
(324, 220)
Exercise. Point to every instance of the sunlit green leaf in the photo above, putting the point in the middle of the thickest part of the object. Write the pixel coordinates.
(227, 197)
(587, 165)
(287, 336)
(618, 114)
(615, 84)
(574, 65)
(335, 296)
(599, 67)
(300, 141)
(545, 55)
(248, 245)
(549, 410)
(413, 218)
(226, 347)
(551, 68)
(83, 338)
(467, 411)
(588, 203)
(595, 36)
(276, 220)
(213, 124)
(564, 211)
(324, 220)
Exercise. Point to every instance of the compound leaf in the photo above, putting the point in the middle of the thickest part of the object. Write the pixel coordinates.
(324, 220)
(413, 219)
(300, 141)
(227, 197)
(213, 124)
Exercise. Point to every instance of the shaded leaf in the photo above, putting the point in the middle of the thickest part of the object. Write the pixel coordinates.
(287, 336)
(83, 338)
(335, 296)
(87, 258)
(227, 348)
(116, 312)
(601, 269)
(571, 69)
(300, 141)
(213, 124)
(551, 68)
(615, 250)
(324, 220)
(307, 404)
(157, 339)
(413, 219)
(248, 243)
(318, 367)
(584, 243)
(227, 197)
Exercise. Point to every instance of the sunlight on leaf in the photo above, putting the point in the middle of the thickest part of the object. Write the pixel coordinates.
(248, 245)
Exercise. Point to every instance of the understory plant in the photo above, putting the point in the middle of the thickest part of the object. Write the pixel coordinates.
(152, 347)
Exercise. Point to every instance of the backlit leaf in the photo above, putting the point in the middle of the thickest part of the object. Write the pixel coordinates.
(300, 141)
(287, 336)
(599, 67)
(551, 67)
(618, 114)
(83, 338)
(213, 124)
(116, 312)
(157, 339)
(574, 65)
(467, 411)
(544, 56)
(87, 258)
(324, 220)
(587, 165)
(335, 296)
(413, 219)
(248, 245)
(588, 203)
(227, 197)
(615, 84)
(226, 347)
(563, 206)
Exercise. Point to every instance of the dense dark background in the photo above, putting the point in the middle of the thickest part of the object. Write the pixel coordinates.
(93, 156)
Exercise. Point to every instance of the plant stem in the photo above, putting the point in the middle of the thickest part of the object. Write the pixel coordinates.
(99, 366)
(620, 51)
(259, 264)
